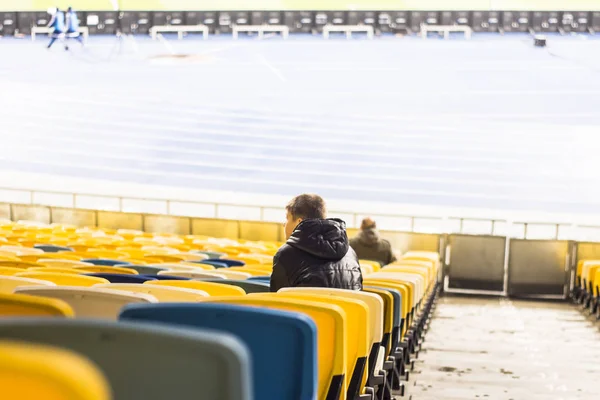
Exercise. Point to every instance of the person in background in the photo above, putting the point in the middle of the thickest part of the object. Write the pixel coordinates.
(368, 245)
(317, 252)
(72, 25)
(57, 24)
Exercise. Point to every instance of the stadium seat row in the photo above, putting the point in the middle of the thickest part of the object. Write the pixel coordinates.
(587, 286)
(171, 331)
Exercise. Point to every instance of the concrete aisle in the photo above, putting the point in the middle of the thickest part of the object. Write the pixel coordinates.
(502, 349)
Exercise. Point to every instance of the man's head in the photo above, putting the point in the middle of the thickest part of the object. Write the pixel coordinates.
(304, 206)
(69, 9)
(367, 223)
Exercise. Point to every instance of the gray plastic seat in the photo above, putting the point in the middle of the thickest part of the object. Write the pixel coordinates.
(147, 361)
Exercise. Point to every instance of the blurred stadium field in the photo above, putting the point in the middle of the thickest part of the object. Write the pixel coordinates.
(492, 123)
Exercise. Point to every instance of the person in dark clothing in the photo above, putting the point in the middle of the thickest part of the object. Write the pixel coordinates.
(317, 252)
(368, 245)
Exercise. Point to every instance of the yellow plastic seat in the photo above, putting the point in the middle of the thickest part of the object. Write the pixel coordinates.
(360, 335)
(8, 271)
(414, 280)
(64, 279)
(106, 270)
(418, 280)
(591, 278)
(9, 283)
(388, 320)
(193, 274)
(250, 271)
(213, 289)
(110, 254)
(410, 267)
(373, 326)
(597, 283)
(20, 305)
(21, 250)
(63, 263)
(407, 298)
(54, 269)
(166, 258)
(31, 371)
(50, 256)
(255, 259)
(189, 264)
(261, 267)
(588, 268)
(332, 331)
(89, 302)
(374, 264)
(235, 275)
(161, 293)
(184, 266)
(8, 257)
(20, 264)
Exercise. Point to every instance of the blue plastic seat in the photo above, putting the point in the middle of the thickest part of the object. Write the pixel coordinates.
(105, 262)
(230, 263)
(249, 287)
(122, 278)
(215, 264)
(166, 277)
(50, 248)
(282, 344)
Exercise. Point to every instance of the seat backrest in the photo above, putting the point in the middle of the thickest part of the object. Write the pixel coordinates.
(184, 266)
(33, 371)
(64, 279)
(360, 333)
(89, 302)
(9, 283)
(99, 269)
(407, 268)
(414, 280)
(193, 274)
(404, 290)
(238, 275)
(123, 278)
(376, 359)
(20, 305)
(248, 286)
(19, 264)
(212, 288)
(148, 362)
(62, 263)
(10, 271)
(331, 336)
(62, 270)
(585, 273)
(161, 293)
(283, 345)
(397, 319)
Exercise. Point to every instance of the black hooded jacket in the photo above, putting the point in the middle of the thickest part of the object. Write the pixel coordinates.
(317, 254)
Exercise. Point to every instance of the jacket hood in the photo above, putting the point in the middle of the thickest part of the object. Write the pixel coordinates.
(369, 237)
(323, 238)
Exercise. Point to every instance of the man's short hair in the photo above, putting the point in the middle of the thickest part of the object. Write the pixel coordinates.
(307, 206)
(368, 223)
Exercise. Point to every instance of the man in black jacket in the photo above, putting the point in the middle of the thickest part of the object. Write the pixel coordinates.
(317, 252)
